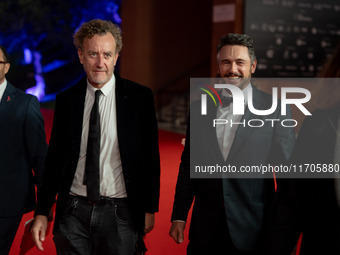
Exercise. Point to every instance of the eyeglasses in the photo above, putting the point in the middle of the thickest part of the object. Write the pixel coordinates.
(3, 62)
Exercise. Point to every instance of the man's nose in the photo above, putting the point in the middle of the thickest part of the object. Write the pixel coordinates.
(100, 61)
(233, 68)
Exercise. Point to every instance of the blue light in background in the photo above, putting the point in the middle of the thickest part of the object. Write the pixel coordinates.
(28, 56)
(55, 65)
(40, 42)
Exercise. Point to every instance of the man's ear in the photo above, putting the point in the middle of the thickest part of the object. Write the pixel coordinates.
(253, 66)
(116, 58)
(81, 56)
(7, 66)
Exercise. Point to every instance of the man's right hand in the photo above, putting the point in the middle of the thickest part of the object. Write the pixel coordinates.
(38, 230)
(177, 231)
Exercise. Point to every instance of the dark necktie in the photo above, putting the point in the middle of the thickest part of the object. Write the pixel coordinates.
(91, 178)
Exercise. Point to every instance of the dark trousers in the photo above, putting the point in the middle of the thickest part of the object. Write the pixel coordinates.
(221, 243)
(8, 229)
(104, 228)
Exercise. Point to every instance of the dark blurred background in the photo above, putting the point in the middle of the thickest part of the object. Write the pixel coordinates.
(38, 37)
(165, 42)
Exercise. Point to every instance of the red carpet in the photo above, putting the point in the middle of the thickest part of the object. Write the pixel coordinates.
(158, 241)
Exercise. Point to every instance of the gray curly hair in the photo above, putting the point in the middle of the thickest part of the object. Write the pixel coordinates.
(97, 27)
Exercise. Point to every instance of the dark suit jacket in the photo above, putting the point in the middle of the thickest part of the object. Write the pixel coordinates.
(23, 148)
(138, 145)
(246, 200)
(308, 205)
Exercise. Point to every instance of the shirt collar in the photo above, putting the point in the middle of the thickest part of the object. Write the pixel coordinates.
(106, 89)
(245, 93)
(3, 86)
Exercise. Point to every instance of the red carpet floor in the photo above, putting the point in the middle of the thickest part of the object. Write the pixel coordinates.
(158, 241)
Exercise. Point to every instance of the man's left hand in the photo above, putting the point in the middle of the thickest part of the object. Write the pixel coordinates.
(149, 222)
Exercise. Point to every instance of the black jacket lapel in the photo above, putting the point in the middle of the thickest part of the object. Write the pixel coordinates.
(77, 104)
(122, 99)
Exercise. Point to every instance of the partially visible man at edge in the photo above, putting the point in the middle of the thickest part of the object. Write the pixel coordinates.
(23, 148)
(129, 157)
(310, 205)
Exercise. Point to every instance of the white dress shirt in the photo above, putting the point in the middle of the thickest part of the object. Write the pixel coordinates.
(3, 86)
(111, 173)
(225, 132)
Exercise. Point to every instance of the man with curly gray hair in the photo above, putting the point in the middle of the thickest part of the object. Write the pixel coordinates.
(103, 160)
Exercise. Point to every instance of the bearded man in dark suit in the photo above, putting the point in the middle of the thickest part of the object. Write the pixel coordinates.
(229, 214)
